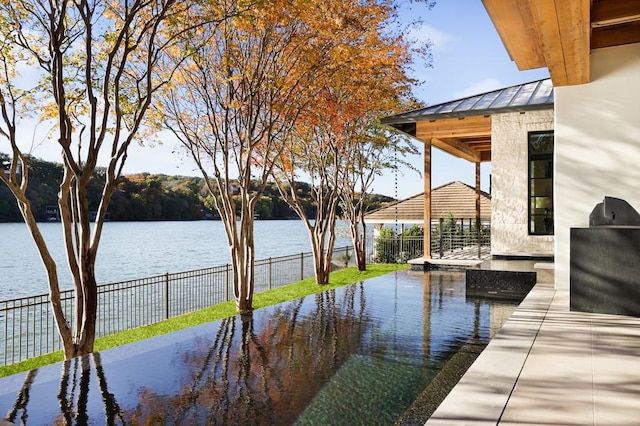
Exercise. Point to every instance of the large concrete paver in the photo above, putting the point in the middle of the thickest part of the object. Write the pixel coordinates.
(616, 370)
(555, 385)
(482, 393)
(550, 366)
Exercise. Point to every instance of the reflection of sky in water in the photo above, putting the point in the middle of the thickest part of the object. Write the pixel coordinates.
(360, 347)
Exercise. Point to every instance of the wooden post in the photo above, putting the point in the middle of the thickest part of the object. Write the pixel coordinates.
(478, 210)
(427, 199)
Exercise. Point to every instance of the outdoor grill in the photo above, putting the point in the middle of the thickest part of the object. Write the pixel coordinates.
(605, 261)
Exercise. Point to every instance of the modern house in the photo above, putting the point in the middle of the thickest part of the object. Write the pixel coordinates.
(590, 128)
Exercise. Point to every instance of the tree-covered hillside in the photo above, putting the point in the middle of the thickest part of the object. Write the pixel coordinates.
(144, 196)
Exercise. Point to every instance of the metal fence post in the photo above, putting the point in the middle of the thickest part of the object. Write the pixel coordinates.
(226, 282)
(478, 237)
(166, 296)
(269, 274)
(301, 266)
(441, 237)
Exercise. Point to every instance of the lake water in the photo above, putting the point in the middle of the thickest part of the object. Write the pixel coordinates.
(131, 250)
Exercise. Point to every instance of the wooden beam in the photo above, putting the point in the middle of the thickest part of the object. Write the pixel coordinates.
(575, 31)
(478, 126)
(515, 25)
(564, 31)
(544, 14)
(479, 146)
(427, 200)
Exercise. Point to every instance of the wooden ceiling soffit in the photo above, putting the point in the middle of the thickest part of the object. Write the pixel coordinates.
(614, 12)
(448, 135)
(457, 148)
(614, 23)
(551, 33)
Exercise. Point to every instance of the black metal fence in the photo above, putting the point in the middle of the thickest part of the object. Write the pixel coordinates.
(460, 238)
(27, 327)
(452, 238)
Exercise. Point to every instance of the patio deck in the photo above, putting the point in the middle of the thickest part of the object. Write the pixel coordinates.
(550, 366)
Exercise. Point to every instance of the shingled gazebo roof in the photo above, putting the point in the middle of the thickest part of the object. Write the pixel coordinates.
(455, 198)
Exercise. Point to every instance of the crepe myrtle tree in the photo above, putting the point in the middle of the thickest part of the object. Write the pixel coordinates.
(338, 144)
(87, 70)
(236, 100)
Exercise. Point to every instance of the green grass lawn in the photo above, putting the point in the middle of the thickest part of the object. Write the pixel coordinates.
(216, 312)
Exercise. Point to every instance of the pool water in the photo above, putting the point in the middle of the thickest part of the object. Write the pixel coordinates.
(383, 351)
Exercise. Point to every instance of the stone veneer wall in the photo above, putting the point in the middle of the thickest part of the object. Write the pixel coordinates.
(509, 183)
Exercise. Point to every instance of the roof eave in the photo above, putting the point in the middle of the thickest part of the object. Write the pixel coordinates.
(402, 121)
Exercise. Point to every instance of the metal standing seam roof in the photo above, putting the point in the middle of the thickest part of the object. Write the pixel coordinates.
(455, 198)
(523, 97)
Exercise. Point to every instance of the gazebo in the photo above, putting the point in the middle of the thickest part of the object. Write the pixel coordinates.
(453, 206)
(454, 199)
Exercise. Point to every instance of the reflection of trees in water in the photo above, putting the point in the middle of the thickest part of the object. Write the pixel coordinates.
(265, 376)
(243, 376)
(23, 399)
(73, 394)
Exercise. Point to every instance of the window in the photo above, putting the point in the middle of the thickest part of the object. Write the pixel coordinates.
(541, 183)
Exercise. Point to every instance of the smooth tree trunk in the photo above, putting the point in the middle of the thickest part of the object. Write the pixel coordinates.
(322, 233)
(359, 239)
(50, 266)
(321, 257)
(80, 251)
(243, 258)
(81, 248)
(358, 232)
(239, 233)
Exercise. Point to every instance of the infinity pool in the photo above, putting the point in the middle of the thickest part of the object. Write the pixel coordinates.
(383, 351)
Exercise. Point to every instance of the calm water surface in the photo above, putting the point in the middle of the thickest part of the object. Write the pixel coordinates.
(130, 250)
(361, 354)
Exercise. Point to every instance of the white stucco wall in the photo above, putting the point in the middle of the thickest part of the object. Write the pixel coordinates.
(597, 144)
(509, 184)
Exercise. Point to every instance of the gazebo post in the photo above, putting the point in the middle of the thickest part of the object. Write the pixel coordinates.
(427, 199)
(478, 210)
